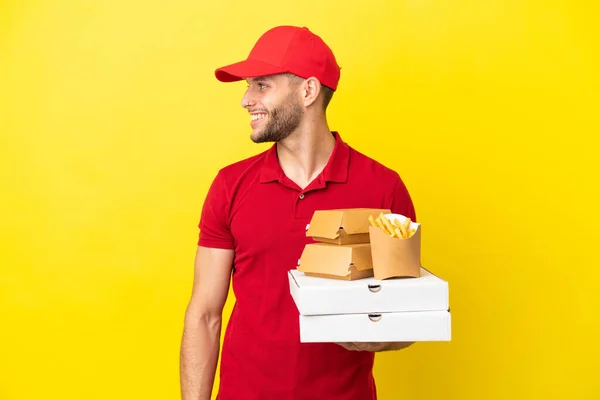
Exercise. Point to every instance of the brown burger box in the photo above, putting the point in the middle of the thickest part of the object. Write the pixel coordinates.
(342, 250)
(342, 226)
(347, 262)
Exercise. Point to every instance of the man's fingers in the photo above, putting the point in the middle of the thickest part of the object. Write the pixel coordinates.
(374, 346)
(349, 346)
(359, 346)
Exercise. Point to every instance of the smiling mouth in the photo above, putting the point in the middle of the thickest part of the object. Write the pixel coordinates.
(257, 117)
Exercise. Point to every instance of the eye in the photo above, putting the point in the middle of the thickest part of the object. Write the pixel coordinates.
(262, 86)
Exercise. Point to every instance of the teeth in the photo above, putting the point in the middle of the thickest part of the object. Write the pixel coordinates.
(257, 116)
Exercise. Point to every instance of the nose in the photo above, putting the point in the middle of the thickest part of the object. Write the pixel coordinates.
(247, 100)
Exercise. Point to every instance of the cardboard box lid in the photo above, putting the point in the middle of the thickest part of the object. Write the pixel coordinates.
(334, 259)
(422, 326)
(319, 296)
(327, 223)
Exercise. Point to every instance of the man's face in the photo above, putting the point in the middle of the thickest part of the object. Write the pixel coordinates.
(274, 108)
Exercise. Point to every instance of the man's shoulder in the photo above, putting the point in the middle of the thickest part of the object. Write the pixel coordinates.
(240, 167)
(372, 166)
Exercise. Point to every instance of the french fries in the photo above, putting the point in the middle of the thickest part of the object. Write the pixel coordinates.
(393, 228)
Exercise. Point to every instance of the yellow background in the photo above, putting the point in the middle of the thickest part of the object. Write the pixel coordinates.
(113, 126)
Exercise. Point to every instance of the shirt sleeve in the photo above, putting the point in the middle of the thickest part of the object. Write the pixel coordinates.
(214, 219)
(401, 202)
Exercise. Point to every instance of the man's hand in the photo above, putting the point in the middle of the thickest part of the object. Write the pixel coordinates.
(374, 346)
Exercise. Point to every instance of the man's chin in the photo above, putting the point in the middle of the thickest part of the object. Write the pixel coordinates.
(258, 137)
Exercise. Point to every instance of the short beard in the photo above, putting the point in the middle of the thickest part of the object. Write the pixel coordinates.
(283, 120)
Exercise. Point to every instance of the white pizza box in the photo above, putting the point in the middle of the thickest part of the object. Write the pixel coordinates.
(324, 296)
(417, 326)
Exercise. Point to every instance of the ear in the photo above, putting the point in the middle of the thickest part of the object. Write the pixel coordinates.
(310, 91)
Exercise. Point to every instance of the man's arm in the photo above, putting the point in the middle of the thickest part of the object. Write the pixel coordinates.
(200, 343)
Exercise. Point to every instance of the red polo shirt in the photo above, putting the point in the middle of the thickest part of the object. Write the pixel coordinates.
(254, 209)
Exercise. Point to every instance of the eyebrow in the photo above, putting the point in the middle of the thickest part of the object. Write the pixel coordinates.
(258, 79)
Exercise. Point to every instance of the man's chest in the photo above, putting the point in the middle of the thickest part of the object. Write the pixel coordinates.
(269, 218)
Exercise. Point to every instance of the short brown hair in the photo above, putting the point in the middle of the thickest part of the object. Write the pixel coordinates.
(326, 92)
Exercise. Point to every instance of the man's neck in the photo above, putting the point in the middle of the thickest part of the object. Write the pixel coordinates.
(304, 154)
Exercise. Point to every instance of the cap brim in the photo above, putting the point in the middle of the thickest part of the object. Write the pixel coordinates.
(246, 69)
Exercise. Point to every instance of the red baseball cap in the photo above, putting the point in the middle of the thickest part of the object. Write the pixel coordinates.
(286, 49)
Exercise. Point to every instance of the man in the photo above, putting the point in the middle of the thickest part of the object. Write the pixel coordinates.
(252, 230)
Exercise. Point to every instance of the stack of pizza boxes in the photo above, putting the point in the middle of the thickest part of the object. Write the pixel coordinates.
(361, 280)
